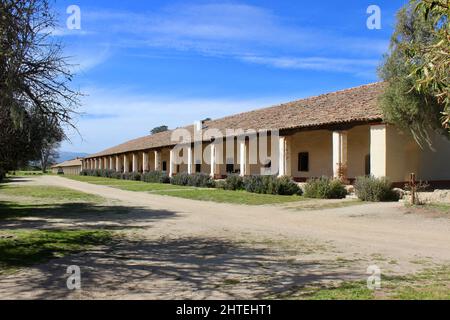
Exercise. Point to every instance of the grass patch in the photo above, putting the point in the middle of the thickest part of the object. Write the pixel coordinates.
(231, 282)
(226, 196)
(47, 193)
(12, 210)
(24, 248)
(430, 284)
(345, 291)
(202, 194)
(25, 173)
(128, 185)
(441, 207)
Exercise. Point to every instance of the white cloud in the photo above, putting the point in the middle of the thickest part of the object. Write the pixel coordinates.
(234, 30)
(113, 116)
(316, 63)
(83, 59)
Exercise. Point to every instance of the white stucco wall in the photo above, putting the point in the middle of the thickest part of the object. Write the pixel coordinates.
(319, 146)
(395, 154)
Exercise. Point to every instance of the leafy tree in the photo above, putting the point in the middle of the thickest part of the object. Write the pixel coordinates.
(46, 140)
(416, 111)
(159, 129)
(432, 69)
(49, 154)
(34, 81)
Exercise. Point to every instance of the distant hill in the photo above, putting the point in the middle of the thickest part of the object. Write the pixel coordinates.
(64, 156)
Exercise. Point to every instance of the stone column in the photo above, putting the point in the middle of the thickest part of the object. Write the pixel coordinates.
(243, 158)
(111, 163)
(171, 164)
(117, 168)
(126, 167)
(213, 160)
(135, 163)
(340, 154)
(190, 163)
(145, 167)
(284, 154)
(157, 160)
(378, 154)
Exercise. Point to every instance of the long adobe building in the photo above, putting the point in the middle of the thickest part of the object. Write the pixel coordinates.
(334, 134)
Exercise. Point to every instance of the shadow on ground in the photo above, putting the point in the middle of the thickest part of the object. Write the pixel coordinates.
(185, 268)
(77, 215)
(15, 180)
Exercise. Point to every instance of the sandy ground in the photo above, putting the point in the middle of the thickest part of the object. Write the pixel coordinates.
(182, 249)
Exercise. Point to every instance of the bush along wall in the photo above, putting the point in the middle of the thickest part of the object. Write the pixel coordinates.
(253, 184)
(233, 182)
(375, 189)
(325, 188)
(263, 185)
(199, 180)
(153, 177)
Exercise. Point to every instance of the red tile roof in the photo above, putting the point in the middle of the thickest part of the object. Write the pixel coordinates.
(359, 104)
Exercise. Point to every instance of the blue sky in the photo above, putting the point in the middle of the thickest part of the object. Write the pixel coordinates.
(146, 63)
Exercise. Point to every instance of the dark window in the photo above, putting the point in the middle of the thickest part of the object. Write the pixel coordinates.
(164, 165)
(230, 168)
(198, 167)
(367, 166)
(303, 161)
(178, 168)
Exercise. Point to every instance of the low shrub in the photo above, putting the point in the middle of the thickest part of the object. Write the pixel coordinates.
(116, 175)
(375, 189)
(181, 179)
(271, 185)
(220, 184)
(284, 186)
(234, 182)
(155, 177)
(325, 188)
(104, 173)
(84, 172)
(133, 176)
(200, 180)
(256, 184)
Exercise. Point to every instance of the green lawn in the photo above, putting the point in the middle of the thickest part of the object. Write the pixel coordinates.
(431, 284)
(442, 207)
(47, 193)
(127, 184)
(34, 241)
(27, 173)
(226, 196)
(216, 195)
(37, 201)
(22, 248)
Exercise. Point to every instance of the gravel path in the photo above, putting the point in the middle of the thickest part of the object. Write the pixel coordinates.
(177, 248)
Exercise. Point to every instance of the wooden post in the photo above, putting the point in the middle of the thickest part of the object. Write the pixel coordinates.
(412, 184)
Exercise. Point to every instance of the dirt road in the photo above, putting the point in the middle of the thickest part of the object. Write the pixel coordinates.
(177, 248)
